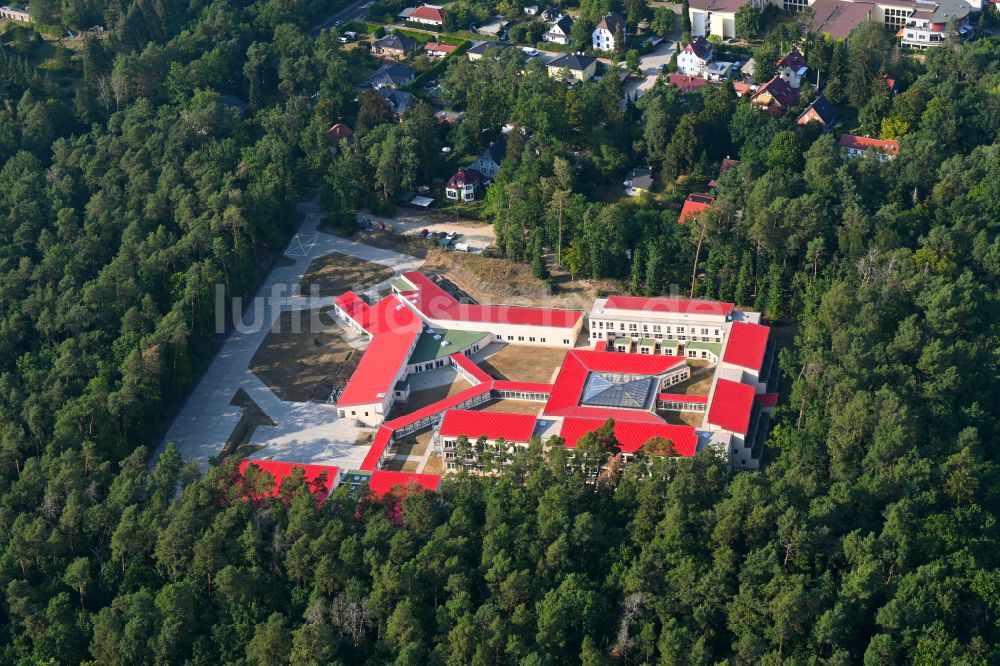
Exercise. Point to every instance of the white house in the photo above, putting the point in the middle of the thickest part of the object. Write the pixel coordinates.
(792, 67)
(694, 58)
(717, 17)
(489, 161)
(608, 31)
(463, 185)
(558, 33)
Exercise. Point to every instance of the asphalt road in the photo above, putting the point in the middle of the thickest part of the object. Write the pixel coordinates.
(353, 12)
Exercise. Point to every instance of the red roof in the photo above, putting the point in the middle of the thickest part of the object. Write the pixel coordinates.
(473, 424)
(377, 449)
(435, 303)
(340, 131)
(564, 399)
(353, 306)
(694, 205)
(382, 482)
(478, 373)
(437, 407)
(747, 345)
(674, 305)
(438, 47)
(732, 405)
(889, 146)
(527, 387)
(699, 46)
(631, 436)
(742, 88)
(683, 397)
(394, 330)
(792, 60)
(465, 175)
(686, 83)
(780, 90)
(428, 13)
(282, 470)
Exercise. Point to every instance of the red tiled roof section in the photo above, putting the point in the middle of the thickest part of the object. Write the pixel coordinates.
(732, 405)
(469, 366)
(340, 131)
(747, 345)
(473, 424)
(428, 13)
(632, 436)
(435, 303)
(698, 46)
(378, 447)
(779, 89)
(686, 83)
(282, 470)
(889, 146)
(683, 397)
(675, 305)
(439, 47)
(793, 60)
(383, 482)
(694, 205)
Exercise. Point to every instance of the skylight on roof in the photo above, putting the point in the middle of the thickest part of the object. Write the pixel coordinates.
(601, 390)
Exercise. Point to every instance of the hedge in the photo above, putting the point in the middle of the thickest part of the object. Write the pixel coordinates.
(438, 67)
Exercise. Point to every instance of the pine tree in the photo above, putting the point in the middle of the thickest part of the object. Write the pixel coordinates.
(635, 279)
(538, 267)
(834, 89)
(774, 302)
(741, 293)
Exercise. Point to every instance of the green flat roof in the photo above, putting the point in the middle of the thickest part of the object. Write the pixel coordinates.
(646, 342)
(622, 341)
(668, 343)
(429, 349)
(402, 284)
(713, 347)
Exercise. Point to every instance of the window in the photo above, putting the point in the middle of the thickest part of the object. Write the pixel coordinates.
(520, 338)
(704, 331)
(896, 18)
(499, 337)
(353, 413)
(565, 342)
(542, 340)
(621, 326)
(633, 327)
(531, 339)
(680, 329)
(510, 337)
(656, 328)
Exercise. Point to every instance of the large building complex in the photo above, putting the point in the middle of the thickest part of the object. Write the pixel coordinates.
(918, 23)
(676, 376)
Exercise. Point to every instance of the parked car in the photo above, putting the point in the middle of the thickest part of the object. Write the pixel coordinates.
(530, 52)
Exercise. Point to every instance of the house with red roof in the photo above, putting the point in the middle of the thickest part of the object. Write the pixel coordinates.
(686, 83)
(792, 67)
(464, 184)
(776, 96)
(694, 57)
(432, 15)
(694, 205)
(859, 146)
(438, 49)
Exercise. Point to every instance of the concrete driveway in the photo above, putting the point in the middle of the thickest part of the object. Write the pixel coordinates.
(650, 65)
(304, 432)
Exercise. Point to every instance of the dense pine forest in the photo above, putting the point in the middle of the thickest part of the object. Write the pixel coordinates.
(167, 156)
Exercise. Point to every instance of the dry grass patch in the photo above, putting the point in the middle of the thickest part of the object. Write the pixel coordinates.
(335, 273)
(305, 366)
(425, 397)
(683, 418)
(512, 407)
(435, 465)
(524, 364)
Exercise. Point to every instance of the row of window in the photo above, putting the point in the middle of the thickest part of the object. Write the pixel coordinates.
(657, 328)
(596, 335)
(676, 406)
(520, 338)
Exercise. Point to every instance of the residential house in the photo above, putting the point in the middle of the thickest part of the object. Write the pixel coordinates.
(392, 76)
(686, 83)
(727, 164)
(477, 51)
(438, 50)
(719, 71)
(717, 17)
(531, 10)
(337, 133)
(694, 57)
(775, 96)
(463, 185)
(694, 205)
(573, 66)
(859, 146)
(399, 101)
(558, 32)
(638, 181)
(432, 15)
(609, 30)
(819, 111)
(792, 67)
(13, 14)
(395, 47)
(930, 25)
(489, 161)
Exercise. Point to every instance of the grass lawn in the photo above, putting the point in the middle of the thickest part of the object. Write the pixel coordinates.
(524, 364)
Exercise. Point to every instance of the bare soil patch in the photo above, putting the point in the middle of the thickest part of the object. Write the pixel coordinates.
(699, 384)
(336, 273)
(512, 407)
(683, 418)
(307, 365)
(425, 397)
(524, 364)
